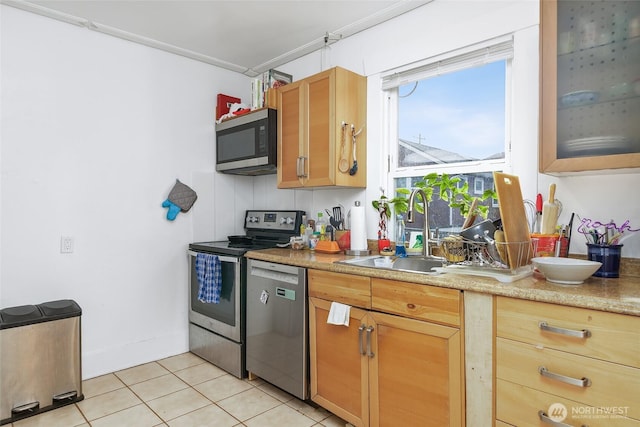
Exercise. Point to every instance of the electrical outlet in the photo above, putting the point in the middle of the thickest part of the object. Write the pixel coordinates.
(66, 244)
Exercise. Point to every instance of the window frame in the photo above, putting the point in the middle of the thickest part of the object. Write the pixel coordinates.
(392, 79)
(477, 181)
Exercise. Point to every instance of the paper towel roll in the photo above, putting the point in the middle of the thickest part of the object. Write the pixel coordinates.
(358, 228)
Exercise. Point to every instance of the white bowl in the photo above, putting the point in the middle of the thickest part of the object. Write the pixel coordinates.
(566, 271)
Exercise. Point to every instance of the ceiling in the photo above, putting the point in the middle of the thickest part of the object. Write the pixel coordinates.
(240, 35)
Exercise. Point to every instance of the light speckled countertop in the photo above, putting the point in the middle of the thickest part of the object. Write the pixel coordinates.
(621, 295)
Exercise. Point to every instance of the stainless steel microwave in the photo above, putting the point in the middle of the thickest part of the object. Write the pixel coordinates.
(247, 145)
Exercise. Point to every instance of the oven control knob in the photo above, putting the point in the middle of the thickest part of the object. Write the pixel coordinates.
(289, 220)
(283, 220)
(254, 219)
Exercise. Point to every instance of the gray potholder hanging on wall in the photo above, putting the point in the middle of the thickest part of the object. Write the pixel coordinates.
(183, 196)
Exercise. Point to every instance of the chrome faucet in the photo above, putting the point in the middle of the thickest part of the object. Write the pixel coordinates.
(425, 229)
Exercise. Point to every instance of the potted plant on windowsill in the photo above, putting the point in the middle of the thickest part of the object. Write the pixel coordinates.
(450, 189)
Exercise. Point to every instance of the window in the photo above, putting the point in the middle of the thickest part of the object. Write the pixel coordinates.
(478, 185)
(449, 114)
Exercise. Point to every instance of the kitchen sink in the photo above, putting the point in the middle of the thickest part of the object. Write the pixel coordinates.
(411, 264)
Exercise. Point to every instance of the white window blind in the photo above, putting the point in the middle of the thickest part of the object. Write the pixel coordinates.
(475, 55)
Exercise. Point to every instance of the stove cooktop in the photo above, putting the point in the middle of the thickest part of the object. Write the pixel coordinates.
(265, 229)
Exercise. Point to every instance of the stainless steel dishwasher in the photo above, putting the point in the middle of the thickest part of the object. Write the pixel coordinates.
(277, 326)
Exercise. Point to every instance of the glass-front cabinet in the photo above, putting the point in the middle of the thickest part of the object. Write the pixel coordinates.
(590, 85)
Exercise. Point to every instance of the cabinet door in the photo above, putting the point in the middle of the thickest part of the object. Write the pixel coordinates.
(590, 70)
(339, 372)
(415, 373)
(321, 164)
(291, 133)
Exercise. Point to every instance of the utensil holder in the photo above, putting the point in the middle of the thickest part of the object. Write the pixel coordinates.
(609, 256)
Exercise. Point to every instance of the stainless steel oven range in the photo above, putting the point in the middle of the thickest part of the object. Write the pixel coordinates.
(217, 332)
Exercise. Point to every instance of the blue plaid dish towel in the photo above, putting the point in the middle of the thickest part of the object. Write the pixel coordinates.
(209, 274)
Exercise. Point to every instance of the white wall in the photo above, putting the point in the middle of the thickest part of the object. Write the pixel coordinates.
(95, 130)
(442, 26)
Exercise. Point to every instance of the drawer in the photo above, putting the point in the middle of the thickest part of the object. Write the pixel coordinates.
(423, 302)
(607, 336)
(339, 287)
(604, 384)
(520, 406)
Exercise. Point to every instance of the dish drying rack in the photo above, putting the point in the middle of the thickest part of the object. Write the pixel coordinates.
(504, 261)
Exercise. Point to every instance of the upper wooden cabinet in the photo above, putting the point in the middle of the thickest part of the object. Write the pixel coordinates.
(590, 85)
(311, 138)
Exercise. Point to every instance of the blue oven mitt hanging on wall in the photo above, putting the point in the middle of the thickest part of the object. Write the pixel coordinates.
(181, 198)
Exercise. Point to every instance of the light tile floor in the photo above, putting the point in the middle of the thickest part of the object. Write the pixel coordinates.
(182, 391)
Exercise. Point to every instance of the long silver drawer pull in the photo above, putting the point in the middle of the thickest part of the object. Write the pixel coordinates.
(369, 352)
(582, 382)
(28, 407)
(545, 419)
(360, 329)
(585, 333)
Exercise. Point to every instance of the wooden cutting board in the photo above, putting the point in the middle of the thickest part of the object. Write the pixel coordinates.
(514, 219)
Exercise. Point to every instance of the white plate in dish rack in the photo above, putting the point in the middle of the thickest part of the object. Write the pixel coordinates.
(596, 143)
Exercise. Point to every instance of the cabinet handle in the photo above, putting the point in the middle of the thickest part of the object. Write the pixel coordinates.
(300, 167)
(582, 382)
(369, 352)
(545, 419)
(584, 333)
(360, 329)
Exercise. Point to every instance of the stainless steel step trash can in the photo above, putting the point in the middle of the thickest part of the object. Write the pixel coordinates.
(40, 358)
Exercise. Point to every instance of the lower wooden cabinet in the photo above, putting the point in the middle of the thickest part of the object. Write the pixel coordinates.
(339, 371)
(528, 407)
(564, 366)
(384, 370)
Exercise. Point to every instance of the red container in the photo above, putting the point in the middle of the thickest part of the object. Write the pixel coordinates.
(546, 244)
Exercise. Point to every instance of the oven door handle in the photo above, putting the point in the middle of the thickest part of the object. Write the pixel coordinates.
(221, 257)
